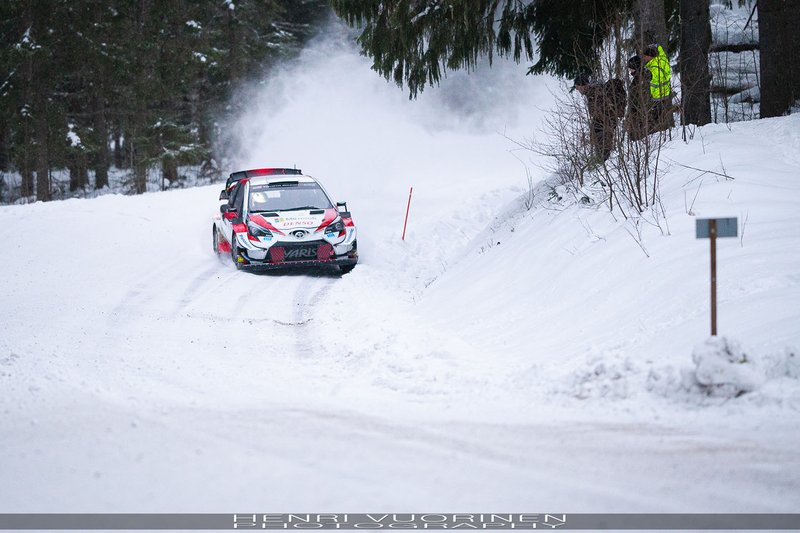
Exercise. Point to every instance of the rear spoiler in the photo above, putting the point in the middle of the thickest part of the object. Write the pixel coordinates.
(242, 174)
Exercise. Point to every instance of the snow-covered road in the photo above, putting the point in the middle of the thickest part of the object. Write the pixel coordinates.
(137, 378)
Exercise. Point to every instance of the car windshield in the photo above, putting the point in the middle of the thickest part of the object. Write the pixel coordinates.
(286, 197)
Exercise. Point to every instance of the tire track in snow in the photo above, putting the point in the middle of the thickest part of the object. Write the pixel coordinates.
(140, 294)
(200, 285)
(307, 300)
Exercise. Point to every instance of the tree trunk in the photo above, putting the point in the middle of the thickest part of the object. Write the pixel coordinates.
(41, 136)
(26, 187)
(78, 173)
(139, 164)
(4, 131)
(792, 22)
(779, 61)
(169, 170)
(119, 150)
(26, 164)
(101, 162)
(41, 132)
(26, 161)
(693, 62)
(40, 91)
(136, 144)
(650, 23)
(136, 138)
(74, 176)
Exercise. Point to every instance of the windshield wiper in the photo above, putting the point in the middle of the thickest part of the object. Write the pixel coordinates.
(309, 207)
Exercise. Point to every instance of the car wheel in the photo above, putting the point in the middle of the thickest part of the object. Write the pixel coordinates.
(215, 238)
(344, 269)
(235, 251)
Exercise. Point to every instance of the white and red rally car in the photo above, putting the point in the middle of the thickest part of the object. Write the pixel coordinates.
(279, 217)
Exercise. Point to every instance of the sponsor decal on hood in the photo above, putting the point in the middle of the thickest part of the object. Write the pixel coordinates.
(301, 219)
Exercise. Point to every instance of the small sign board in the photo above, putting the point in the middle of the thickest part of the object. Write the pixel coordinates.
(726, 227)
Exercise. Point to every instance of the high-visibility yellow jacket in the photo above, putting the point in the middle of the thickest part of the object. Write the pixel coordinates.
(661, 74)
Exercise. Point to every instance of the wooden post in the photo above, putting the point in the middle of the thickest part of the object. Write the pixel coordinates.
(711, 228)
(712, 234)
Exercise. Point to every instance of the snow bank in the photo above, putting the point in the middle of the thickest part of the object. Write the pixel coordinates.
(590, 307)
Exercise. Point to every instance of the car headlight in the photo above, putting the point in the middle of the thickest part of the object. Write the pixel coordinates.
(257, 231)
(336, 227)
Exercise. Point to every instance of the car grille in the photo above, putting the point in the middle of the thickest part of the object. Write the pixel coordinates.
(307, 251)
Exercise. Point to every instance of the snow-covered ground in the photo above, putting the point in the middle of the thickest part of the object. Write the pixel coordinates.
(498, 358)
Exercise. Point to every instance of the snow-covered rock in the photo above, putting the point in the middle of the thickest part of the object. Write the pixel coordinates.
(723, 368)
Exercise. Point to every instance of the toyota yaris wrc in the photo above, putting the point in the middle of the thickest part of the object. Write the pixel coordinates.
(277, 217)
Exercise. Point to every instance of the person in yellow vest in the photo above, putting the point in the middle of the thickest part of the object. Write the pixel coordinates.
(656, 62)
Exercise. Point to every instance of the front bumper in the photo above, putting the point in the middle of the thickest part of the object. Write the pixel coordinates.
(266, 265)
(298, 254)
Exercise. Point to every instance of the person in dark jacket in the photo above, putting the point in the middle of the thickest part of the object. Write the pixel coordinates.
(602, 117)
(638, 114)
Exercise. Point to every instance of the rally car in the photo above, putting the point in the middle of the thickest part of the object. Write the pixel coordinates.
(279, 217)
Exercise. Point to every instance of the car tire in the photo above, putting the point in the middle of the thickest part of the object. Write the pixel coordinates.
(235, 252)
(215, 239)
(348, 268)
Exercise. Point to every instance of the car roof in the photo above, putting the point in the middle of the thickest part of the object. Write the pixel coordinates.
(267, 180)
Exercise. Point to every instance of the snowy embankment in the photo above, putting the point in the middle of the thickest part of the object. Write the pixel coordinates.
(499, 358)
(629, 300)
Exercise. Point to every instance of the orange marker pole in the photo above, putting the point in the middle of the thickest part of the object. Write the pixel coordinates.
(408, 207)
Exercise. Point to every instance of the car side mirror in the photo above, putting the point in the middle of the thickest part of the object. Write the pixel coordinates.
(223, 194)
(340, 205)
(345, 214)
(228, 213)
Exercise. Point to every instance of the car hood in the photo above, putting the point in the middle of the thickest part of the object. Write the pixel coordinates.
(286, 221)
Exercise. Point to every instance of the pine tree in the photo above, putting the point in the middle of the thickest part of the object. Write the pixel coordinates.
(415, 42)
(149, 77)
(570, 33)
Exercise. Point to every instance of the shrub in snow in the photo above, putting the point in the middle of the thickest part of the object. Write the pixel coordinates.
(722, 368)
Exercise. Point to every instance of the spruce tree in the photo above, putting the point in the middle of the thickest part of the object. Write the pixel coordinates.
(148, 77)
(414, 42)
